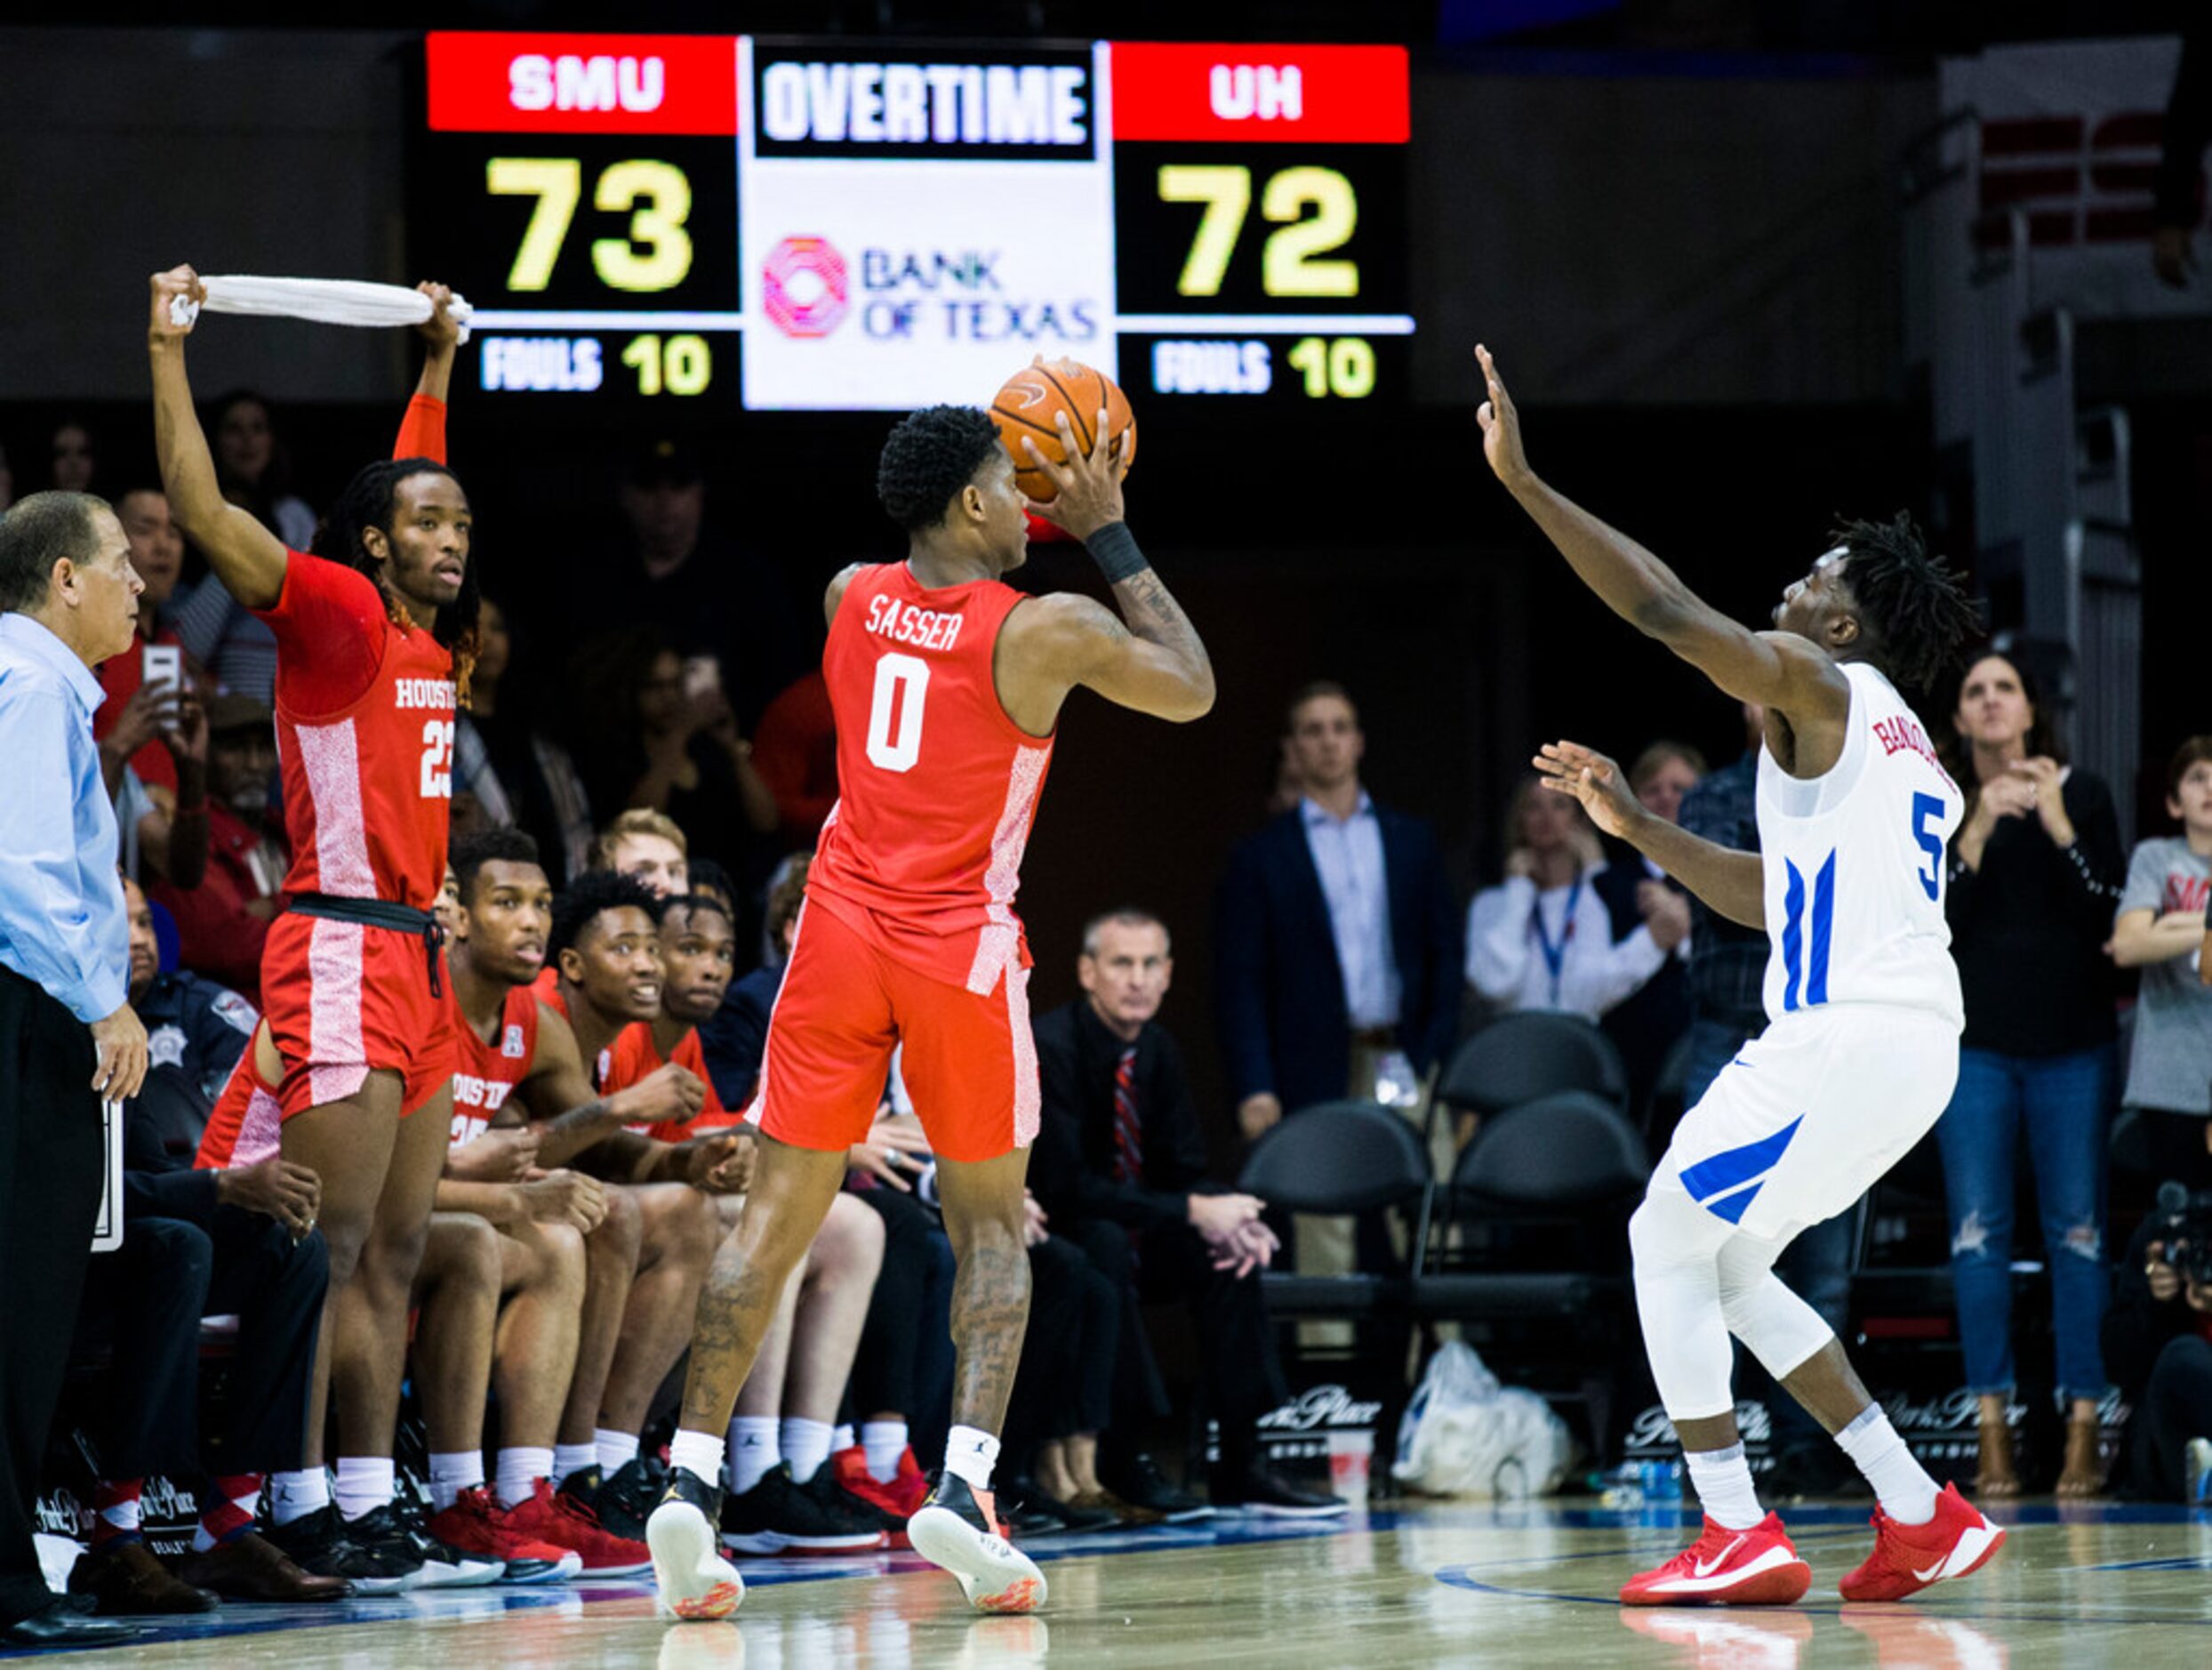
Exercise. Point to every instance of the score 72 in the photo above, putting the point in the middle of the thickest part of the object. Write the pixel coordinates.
(1291, 261)
(657, 195)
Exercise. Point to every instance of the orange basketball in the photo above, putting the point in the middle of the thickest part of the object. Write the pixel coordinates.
(1028, 403)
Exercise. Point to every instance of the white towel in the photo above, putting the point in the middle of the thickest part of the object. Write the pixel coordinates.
(325, 301)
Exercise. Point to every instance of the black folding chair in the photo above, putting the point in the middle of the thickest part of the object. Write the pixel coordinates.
(1338, 1159)
(1518, 1057)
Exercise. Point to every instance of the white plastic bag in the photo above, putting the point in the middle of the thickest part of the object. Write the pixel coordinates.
(1463, 1434)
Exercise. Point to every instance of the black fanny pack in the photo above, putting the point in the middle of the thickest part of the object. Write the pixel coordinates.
(399, 919)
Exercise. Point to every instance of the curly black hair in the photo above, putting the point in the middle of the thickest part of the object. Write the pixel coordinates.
(929, 458)
(469, 854)
(368, 502)
(1913, 607)
(591, 893)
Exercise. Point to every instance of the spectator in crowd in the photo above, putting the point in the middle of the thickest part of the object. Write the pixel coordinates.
(239, 1241)
(2034, 872)
(223, 919)
(2158, 1344)
(677, 570)
(254, 468)
(192, 1024)
(157, 553)
(68, 600)
(663, 738)
(165, 828)
(795, 754)
(1120, 1168)
(1652, 1019)
(2159, 931)
(73, 461)
(506, 771)
(1336, 938)
(2181, 162)
(649, 847)
(733, 1039)
(1543, 938)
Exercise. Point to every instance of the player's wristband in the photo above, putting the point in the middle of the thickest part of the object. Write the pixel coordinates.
(1114, 549)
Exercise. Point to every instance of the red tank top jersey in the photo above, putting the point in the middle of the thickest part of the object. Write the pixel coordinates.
(922, 854)
(368, 786)
(546, 988)
(635, 1057)
(484, 1075)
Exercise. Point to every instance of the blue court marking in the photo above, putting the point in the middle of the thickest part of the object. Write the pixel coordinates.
(457, 1605)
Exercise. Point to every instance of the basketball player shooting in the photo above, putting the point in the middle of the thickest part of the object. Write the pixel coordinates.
(1863, 1002)
(946, 683)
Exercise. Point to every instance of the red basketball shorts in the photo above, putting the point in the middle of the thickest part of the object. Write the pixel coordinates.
(970, 1061)
(344, 999)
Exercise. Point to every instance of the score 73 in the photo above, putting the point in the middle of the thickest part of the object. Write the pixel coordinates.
(1290, 260)
(657, 195)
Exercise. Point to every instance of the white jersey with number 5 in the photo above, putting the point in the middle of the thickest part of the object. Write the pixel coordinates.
(1855, 867)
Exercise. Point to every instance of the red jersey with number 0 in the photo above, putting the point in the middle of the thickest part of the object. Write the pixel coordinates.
(484, 1075)
(364, 729)
(938, 786)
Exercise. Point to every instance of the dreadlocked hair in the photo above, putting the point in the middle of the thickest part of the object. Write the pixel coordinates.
(367, 502)
(594, 892)
(1914, 606)
(929, 458)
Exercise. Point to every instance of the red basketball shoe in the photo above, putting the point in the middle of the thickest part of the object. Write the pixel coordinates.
(902, 1497)
(1907, 1558)
(475, 1524)
(552, 1517)
(1726, 1568)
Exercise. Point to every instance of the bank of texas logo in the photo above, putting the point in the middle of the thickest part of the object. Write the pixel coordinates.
(804, 291)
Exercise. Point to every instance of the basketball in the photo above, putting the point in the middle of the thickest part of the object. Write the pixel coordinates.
(1028, 403)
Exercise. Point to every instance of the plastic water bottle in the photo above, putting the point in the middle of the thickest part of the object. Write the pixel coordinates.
(1662, 1481)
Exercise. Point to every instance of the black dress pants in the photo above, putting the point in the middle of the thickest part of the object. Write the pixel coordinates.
(1065, 1385)
(1243, 1376)
(147, 1299)
(2176, 1407)
(50, 1179)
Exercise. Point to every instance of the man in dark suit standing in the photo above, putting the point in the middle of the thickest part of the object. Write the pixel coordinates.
(1119, 1169)
(1338, 947)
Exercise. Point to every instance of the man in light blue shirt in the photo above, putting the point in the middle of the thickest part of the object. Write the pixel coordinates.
(68, 600)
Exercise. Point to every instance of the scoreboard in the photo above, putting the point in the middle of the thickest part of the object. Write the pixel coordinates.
(648, 221)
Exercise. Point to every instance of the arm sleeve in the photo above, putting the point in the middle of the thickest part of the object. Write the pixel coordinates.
(330, 624)
(1240, 951)
(422, 430)
(2093, 864)
(1599, 973)
(1497, 938)
(49, 929)
(2146, 887)
(190, 1195)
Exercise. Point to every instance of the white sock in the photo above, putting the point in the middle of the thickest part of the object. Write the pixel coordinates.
(1723, 1479)
(452, 1473)
(1908, 1495)
(616, 1450)
(520, 1468)
(806, 1445)
(755, 1447)
(698, 1454)
(569, 1459)
(128, 1515)
(883, 1443)
(296, 1495)
(970, 1453)
(842, 1439)
(365, 1484)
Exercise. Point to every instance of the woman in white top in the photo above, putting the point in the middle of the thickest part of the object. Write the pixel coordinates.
(1542, 939)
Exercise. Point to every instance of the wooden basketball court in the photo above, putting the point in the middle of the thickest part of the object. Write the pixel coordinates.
(1527, 1585)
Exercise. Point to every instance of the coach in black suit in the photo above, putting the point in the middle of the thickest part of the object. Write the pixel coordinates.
(1119, 1169)
(1324, 964)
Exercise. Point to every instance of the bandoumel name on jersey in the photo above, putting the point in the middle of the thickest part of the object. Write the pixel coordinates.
(1855, 866)
(939, 786)
(485, 1075)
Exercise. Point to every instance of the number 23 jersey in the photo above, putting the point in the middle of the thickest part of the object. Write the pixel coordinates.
(1855, 866)
(937, 785)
